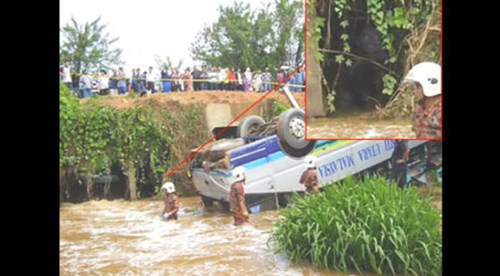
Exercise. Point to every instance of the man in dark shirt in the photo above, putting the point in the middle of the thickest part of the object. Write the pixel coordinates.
(204, 78)
(399, 157)
(196, 78)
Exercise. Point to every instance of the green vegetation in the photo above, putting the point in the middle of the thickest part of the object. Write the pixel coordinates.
(365, 225)
(314, 29)
(94, 138)
(88, 46)
(279, 107)
(268, 37)
(394, 21)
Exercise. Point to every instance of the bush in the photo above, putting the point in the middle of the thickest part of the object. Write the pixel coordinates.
(365, 225)
(95, 138)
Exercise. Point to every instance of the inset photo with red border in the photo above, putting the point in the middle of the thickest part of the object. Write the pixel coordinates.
(373, 70)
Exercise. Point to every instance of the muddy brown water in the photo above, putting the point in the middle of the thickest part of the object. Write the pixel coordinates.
(358, 126)
(129, 238)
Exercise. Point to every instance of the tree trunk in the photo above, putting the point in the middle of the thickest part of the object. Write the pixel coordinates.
(89, 183)
(132, 181)
(315, 103)
(62, 178)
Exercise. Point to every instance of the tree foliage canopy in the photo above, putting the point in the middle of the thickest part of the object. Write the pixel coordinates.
(88, 46)
(268, 37)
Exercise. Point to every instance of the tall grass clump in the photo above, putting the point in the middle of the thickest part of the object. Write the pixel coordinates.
(367, 225)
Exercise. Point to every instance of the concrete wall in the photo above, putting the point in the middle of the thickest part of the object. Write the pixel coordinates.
(221, 114)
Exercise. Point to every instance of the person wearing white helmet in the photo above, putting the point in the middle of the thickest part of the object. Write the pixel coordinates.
(310, 176)
(237, 204)
(171, 201)
(426, 116)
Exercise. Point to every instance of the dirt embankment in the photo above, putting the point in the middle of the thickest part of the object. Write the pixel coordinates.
(190, 131)
(200, 97)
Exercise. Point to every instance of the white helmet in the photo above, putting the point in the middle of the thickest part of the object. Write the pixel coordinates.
(428, 74)
(168, 187)
(310, 161)
(238, 174)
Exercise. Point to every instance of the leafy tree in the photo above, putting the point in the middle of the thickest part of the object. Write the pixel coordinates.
(290, 31)
(270, 36)
(87, 46)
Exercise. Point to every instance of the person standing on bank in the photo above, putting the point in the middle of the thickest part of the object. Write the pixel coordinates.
(166, 77)
(310, 176)
(426, 116)
(237, 204)
(171, 201)
(122, 82)
(151, 79)
(103, 84)
(86, 84)
(66, 75)
(399, 157)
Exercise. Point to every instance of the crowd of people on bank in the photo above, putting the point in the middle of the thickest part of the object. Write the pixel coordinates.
(170, 79)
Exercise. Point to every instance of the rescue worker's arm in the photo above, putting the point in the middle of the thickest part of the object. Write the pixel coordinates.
(245, 211)
(433, 124)
(303, 177)
(406, 154)
(401, 161)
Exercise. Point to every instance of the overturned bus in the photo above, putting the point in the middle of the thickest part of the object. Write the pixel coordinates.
(272, 174)
(274, 161)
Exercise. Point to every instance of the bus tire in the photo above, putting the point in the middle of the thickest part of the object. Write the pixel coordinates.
(246, 125)
(291, 133)
(208, 202)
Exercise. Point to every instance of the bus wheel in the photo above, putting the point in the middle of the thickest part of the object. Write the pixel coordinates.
(291, 130)
(247, 124)
(208, 202)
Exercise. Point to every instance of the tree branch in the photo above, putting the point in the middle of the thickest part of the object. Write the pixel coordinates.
(358, 57)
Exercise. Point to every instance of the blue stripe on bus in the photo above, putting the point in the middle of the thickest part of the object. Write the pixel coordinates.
(274, 157)
(252, 157)
(259, 149)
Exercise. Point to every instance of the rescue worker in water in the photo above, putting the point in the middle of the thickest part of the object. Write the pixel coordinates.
(310, 176)
(171, 201)
(237, 204)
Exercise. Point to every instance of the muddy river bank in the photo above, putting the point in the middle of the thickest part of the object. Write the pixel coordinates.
(358, 126)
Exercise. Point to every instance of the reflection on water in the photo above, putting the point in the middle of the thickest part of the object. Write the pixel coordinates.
(129, 238)
(358, 127)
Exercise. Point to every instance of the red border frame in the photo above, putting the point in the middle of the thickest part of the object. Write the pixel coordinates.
(376, 139)
(171, 172)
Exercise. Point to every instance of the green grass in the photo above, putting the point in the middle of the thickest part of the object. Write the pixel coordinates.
(365, 225)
